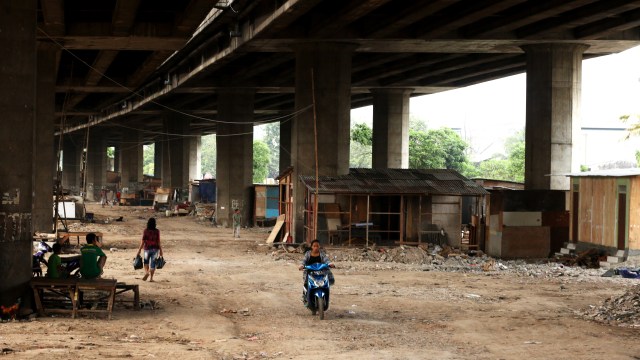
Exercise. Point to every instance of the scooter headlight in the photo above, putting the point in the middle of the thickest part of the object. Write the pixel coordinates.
(318, 280)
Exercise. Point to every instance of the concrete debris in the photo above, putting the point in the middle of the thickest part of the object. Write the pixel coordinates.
(621, 310)
(445, 259)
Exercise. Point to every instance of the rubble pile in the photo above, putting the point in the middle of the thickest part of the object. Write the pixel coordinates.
(443, 259)
(622, 310)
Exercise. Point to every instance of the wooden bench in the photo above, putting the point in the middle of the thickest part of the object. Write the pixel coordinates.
(71, 298)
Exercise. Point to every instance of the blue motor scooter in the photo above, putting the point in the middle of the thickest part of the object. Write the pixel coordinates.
(316, 292)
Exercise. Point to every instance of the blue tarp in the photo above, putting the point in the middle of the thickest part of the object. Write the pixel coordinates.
(629, 274)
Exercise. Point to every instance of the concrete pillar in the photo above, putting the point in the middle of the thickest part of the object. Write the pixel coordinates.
(194, 157)
(175, 165)
(96, 166)
(390, 148)
(71, 156)
(330, 89)
(131, 158)
(554, 75)
(234, 158)
(44, 159)
(157, 159)
(17, 134)
(285, 145)
(117, 158)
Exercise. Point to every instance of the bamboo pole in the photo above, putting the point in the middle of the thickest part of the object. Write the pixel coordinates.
(315, 143)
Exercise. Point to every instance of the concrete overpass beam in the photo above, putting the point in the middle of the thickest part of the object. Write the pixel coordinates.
(234, 162)
(175, 154)
(71, 154)
(323, 78)
(17, 134)
(195, 157)
(285, 144)
(554, 76)
(96, 165)
(391, 128)
(45, 153)
(157, 159)
(131, 158)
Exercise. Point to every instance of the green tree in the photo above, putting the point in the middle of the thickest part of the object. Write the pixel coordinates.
(634, 126)
(208, 155)
(509, 167)
(272, 139)
(515, 148)
(437, 149)
(148, 154)
(360, 146)
(261, 160)
(362, 134)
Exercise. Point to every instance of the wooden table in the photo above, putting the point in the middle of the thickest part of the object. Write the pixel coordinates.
(61, 287)
(95, 285)
(78, 234)
(74, 290)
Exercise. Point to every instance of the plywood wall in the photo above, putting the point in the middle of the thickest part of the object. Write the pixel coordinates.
(597, 212)
(634, 213)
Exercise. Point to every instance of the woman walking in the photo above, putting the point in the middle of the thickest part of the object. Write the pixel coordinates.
(152, 249)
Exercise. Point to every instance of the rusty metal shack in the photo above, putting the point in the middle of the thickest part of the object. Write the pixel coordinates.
(605, 210)
(388, 206)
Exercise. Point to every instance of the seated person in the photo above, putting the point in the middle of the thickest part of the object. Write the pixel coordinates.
(92, 258)
(55, 270)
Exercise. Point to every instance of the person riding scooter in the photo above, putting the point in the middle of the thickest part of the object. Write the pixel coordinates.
(315, 256)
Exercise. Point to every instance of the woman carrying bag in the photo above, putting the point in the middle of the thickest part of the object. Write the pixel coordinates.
(152, 249)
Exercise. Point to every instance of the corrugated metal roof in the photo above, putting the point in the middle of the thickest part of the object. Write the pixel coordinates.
(395, 181)
(608, 172)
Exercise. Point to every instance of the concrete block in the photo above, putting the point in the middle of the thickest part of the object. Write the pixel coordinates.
(605, 265)
(613, 259)
(571, 246)
(621, 254)
(566, 251)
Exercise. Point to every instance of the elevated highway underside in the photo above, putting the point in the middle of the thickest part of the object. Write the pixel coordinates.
(124, 63)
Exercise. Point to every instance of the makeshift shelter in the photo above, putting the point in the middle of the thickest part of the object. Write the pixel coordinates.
(388, 206)
(285, 205)
(605, 210)
(265, 204)
(525, 223)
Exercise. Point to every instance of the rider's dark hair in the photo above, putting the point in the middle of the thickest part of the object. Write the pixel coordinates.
(91, 238)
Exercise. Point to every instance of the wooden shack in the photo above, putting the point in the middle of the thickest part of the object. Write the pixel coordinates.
(388, 206)
(605, 210)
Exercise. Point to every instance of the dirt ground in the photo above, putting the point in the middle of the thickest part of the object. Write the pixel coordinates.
(220, 298)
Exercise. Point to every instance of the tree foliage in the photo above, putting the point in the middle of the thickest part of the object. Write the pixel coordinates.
(148, 155)
(437, 149)
(509, 167)
(634, 124)
(360, 146)
(261, 160)
(428, 149)
(208, 154)
(272, 140)
(362, 134)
